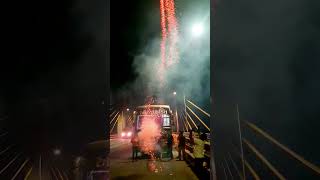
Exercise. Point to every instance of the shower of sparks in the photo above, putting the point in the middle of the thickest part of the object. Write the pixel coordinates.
(169, 36)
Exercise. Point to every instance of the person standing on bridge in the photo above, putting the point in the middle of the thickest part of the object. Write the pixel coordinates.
(191, 137)
(181, 145)
(170, 144)
(135, 146)
(198, 153)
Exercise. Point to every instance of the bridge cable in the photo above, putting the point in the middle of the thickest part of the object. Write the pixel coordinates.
(65, 174)
(112, 113)
(204, 112)
(4, 134)
(186, 118)
(235, 166)
(228, 168)
(252, 171)
(199, 119)
(240, 141)
(114, 117)
(192, 121)
(10, 163)
(186, 126)
(54, 173)
(115, 123)
(246, 163)
(129, 120)
(224, 170)
(264, 160)
(28, 174)
(284, 148)
(19, 170)
(60, 175)
(184, 123)
(3, 151)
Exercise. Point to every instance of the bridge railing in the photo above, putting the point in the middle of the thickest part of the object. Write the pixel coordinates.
(287, 151)
(188, 122)
(190, 119)
(253, 172)
(189, 151)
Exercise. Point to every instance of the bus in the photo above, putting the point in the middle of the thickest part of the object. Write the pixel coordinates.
(163, 116)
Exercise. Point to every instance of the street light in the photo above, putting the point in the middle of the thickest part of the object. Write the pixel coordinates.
(197, 29)
(128, 109)
(56, 152)
(175, 107)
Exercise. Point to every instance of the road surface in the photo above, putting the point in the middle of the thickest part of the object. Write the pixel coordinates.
(122, 167)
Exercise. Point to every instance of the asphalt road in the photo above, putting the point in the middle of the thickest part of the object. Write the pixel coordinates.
(122, 167)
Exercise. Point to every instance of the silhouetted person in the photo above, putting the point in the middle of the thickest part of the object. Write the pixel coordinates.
(199, 131)
(135, 146)
(181, 145)
(170, 144)
(191, 137)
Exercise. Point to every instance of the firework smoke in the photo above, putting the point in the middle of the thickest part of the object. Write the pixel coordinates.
(190, 75)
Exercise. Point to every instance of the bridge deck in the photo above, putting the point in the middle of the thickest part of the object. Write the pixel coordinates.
(122, 167)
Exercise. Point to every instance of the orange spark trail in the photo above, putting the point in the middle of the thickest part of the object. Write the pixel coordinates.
(169, 37)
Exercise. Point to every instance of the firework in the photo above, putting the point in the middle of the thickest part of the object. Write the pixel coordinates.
(169, 37)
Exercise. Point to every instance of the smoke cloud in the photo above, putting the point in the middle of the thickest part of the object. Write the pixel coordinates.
(190, 76)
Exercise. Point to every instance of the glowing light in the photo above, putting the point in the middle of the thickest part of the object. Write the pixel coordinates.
(174, 93)
(197, 29)
(128, 109)
(129, 134)
(78, 159)
(56, 152)
(123, 134)
(149, 134)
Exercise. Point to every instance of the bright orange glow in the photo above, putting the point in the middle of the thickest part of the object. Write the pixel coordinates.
(149, 135)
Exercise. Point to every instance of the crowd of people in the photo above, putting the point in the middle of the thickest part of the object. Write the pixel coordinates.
(196, 140)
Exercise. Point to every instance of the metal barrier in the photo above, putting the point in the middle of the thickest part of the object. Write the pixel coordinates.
(264, 160)
(189, 152)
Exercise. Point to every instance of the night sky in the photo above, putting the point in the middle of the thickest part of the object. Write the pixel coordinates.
(53, 75)
(266, 59)
(130, 33)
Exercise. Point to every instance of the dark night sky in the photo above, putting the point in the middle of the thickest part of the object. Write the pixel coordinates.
(266, 59)
(130, 33)
(53, 74)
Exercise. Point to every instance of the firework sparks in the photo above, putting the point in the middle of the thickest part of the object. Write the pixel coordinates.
(163, 31)
(149, 135)
(169, 36)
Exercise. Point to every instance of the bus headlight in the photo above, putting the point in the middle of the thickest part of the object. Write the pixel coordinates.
(129, 134)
